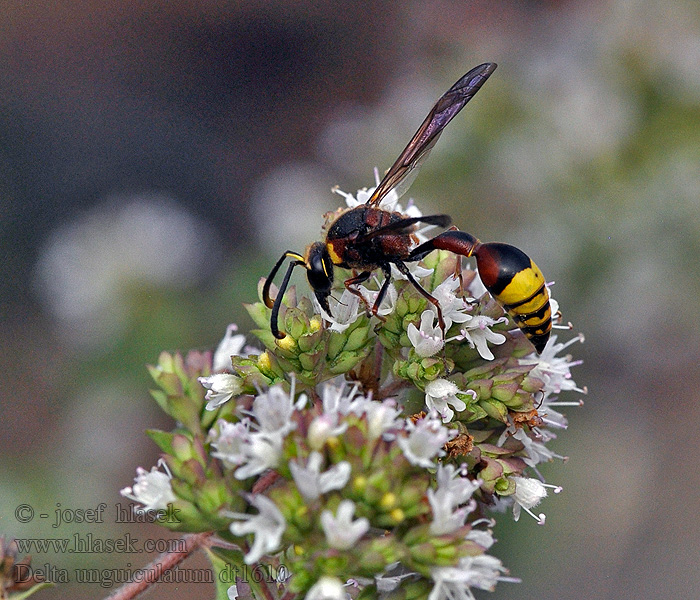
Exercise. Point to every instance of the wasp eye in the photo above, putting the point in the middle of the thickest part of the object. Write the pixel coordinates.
(319, 269)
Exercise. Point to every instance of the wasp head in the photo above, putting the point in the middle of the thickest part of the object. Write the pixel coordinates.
(319, 271)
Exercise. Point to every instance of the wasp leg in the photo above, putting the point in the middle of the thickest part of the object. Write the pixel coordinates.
(452, 240)
(357, 279)
(382, 292)
(277, 302)
(458, 274)
(404, 269)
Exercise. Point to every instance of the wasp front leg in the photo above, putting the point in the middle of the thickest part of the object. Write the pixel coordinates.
(509, 275)
(361, 278)
(356, 280)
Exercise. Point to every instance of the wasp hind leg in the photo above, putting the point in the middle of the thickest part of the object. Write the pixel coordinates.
(404, 270)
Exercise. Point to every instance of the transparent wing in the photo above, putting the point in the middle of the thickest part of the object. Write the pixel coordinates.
(402, 173)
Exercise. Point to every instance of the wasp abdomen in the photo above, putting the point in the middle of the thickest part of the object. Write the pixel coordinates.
(517, 283)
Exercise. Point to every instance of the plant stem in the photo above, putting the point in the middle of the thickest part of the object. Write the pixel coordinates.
(165, 562)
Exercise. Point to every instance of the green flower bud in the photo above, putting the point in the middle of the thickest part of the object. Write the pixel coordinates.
(504, 391)
(504, 486)
(212, 497)
(490, 474)
(417, 589)
(494, 409)
(347, 361)
(336, 343)
(185, 517)
(376, 554)
(358, 338)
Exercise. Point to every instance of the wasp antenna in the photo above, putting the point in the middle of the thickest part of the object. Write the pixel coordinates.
(274, 325)
(337, 300)
(299, 259)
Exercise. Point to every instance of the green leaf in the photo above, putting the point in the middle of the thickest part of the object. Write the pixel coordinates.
(260, 314)
(224, 570)
(163, 439)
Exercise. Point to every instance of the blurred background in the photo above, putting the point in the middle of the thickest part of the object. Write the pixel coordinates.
(156, 158)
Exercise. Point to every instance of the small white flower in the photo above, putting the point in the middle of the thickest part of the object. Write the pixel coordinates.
(323, 428)
(221, 387)
(350, 200)
(151, 488)
(273, 410)
(483, 571)
(449, 500)
(336, 401)
(338, 397)
(231, 441)
(441, 393)
(482, 537)
(230, 345)
(553, 370)
(453, 308)
(454, 583)
(232, 592)
(388, 303)
(450, 481)
(529, 493)
(392, 577)
(262, 452)
(425, 441)
(446, 516)
(267, 526)
(341, 531)
(327, 588)
(415, 268)
(388, 202)
(381, 417)
(428, 339)
(477, 333)
(344, 312)
(411, 210)
(311, 483)
(536, 452)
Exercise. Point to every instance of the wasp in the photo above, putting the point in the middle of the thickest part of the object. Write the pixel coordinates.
(368, 238)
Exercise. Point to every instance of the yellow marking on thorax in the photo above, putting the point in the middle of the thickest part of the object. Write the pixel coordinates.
(335, 257)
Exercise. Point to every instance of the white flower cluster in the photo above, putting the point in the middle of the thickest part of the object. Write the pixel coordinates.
(297, 435)
(254, 444)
